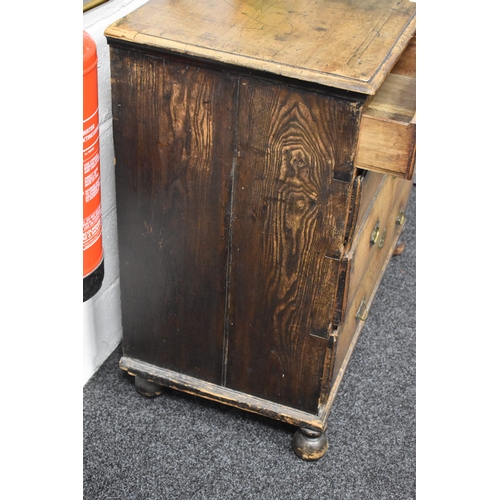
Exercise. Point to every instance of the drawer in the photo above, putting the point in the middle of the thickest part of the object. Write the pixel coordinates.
(376, 229)
(372, 249)
(387, 135)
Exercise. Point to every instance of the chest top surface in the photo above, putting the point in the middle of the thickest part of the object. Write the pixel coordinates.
(348, 44)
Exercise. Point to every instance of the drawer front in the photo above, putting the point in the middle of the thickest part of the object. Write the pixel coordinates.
(377, 231)
(373, 247)
(387, 147)
(387, 136)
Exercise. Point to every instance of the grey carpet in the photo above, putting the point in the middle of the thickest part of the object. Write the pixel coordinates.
(180, 447)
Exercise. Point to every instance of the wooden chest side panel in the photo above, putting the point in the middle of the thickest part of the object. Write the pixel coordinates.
(289, 219)
(174, 150)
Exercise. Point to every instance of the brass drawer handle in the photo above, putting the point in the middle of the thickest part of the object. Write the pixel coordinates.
(401, 218)
(362, 312)
(375, 233)
(382, 238)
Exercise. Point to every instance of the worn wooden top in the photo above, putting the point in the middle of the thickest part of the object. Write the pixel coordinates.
(349, 44)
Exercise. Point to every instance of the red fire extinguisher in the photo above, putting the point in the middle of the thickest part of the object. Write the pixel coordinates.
(93, 258)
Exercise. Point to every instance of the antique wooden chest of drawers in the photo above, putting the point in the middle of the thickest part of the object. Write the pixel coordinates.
(264, 157)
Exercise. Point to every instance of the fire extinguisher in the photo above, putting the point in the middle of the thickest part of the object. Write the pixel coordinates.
(93, 257)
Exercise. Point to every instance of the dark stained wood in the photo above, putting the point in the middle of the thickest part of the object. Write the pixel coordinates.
(309, 445)
(289, 214)
(147, 388)
(174, 149)
(219, 394)
(245, 209)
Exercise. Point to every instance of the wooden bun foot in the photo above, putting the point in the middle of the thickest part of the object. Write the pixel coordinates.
(147, 388)
(399, 248)
(309, 445)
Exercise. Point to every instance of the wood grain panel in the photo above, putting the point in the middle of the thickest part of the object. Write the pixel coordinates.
(289, 217)
(174, 150)
(348, 44)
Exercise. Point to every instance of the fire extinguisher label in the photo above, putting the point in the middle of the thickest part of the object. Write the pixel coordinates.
(91, 132)
(91, 157)
(92, 228)
(91, 178)
(89, 165)
(93, 189)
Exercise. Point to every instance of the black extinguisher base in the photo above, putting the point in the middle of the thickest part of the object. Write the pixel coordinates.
(93, 282)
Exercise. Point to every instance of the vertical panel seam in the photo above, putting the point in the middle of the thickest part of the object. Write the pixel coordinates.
(229, 262)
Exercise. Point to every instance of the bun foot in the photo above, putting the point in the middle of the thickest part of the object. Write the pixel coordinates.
(309, 445)
(399, 248)
(147, 388)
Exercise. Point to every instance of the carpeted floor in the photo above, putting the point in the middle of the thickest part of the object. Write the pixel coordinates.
(178, 447)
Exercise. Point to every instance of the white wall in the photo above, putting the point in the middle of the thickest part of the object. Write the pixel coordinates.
(102, 330)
